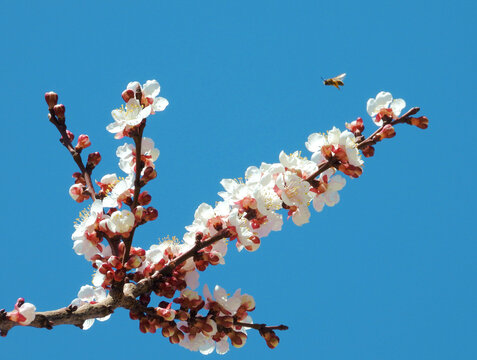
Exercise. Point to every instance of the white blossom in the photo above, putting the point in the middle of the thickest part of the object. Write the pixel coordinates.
(88, 294)
(330, 197)
(131, 115)
(384, 100)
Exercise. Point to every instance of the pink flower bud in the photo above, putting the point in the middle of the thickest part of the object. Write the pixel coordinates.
(237, 338)
(167, 314)
(51, 99)
(77, 193)
(421, 122)
(350, 170)
(139, 213)
(59, 111)
(271, 338)
(356, 126)
(149, 174)
(127, 95)
(151, 214)
(368, 151)
(83, 141)
(177, 337)
(134, 315)
(115, 262)
(254, 245)
(93, 159)
(23, 314)
(133, 262)
(387, 132)
(144, 198)
(70, 135)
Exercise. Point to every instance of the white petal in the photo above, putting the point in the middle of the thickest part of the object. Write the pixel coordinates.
(134, 85)
(332, 198)
(397, 105)
(160, 104)
(336, 183)
(98, 279)
(208, 347)
(222, 347)
(86, 293)
(151, 88)
(88, 323)
(192, 279)
(315, 142)
(382, 101)
(319, 203)
(206, 292)
(100, 294)
(104, 318)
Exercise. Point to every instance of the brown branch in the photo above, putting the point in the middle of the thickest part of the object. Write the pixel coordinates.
(118, 297)
(137, 184)
(261, 327)
(75, 154)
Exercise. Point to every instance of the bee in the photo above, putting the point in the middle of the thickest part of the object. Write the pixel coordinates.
(336, 81)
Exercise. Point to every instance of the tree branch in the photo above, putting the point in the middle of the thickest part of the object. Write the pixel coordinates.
(60, 125)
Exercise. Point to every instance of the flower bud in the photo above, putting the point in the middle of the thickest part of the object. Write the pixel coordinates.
(387, 132)
(115, 262)
(368, 151)
(356, 126)
(421, 122)
(148, 174)
(350, 170)
(93, 160)
(83, 141)
(127, 95)
(77, 193)
(248, 302)
(70, 135)
(51, 99)
(254, 243)
(168, 331)
(145, 299)
(167, 314)
(138, 251)
(237, 338)
(139, 213)
(272, 339)
(23, 314)
(119, 275)
(59, 111)
(133, 262)
(177, 337)
(151, 214)
(144, 198)
(134, 315)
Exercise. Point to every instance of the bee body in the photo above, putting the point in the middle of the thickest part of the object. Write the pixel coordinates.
(337, 81)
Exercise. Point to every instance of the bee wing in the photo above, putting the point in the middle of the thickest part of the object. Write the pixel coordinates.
(340, 77)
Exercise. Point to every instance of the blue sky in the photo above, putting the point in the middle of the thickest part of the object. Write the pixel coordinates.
(388, 273)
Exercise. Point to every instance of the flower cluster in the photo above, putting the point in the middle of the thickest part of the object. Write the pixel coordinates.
(250, 209)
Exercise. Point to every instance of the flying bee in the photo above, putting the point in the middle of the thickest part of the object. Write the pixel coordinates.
(336, 81)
